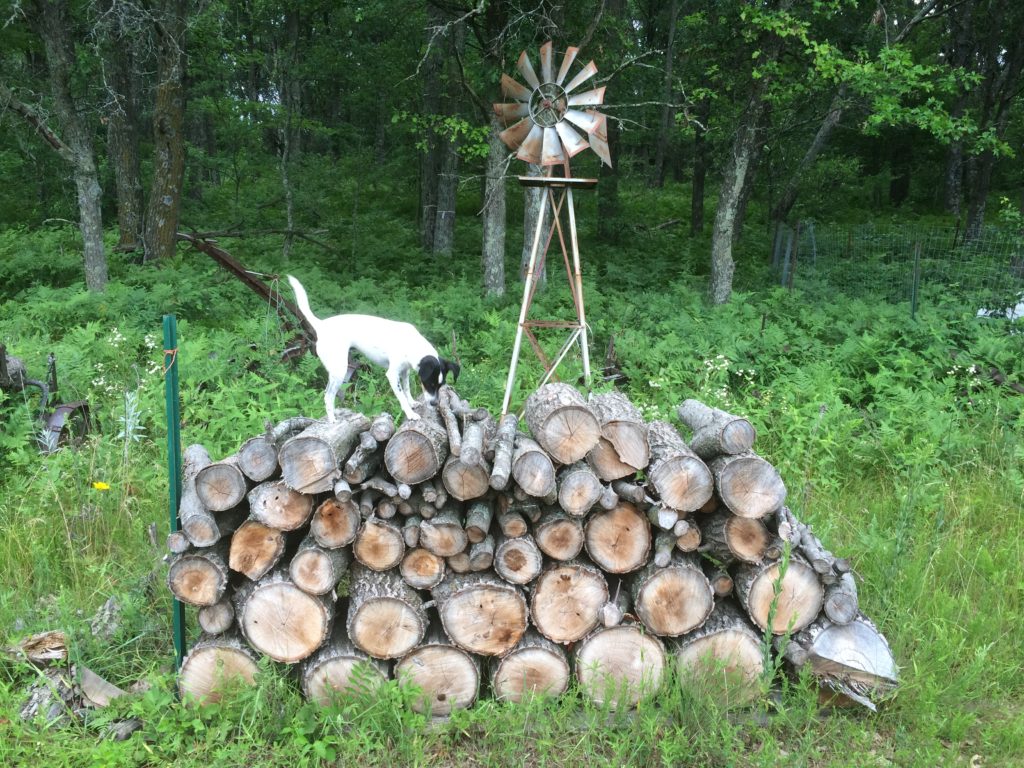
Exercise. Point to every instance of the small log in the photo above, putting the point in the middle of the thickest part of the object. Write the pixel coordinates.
(681, 479)
(367, 502)
(474, 435)
(418, 449)
(215, 665)
(257, 458)
(197, 523)
(728, 538)
(478, 521)
(177, 542)
(316, 569)
(422, 569)
(335, 523)
(221, 485)
(800, 535)
(618, 541)
(411, 530)
(566, 600)
(513, 524)
(615, 610)
(311, 461)
(280, 620)
(631, 492)
(841, 605)
(534, 667)
(339, 668)
(447, 676)
(255, 549)
(532, 469)
(715, 432)
(618, 666)
(386, 617)
(662, 517)
(504, 445)
(719, 578)
(386, 508)
(688, 535)
(364, 461)
(466, 481)
(622, 424)
(379, 544)
(444, 534)
(518, 561)
(722, 655)
(382, 485)
(481, 613)
(382, 427)
(459, 562)
(606, 462)
(559, 536)
(747, 484)
(481, 554)
(342, 490)
(674, 599)
(799, 600)
(578, 489)
(218, 618)
(404, 491)
(277, 506)
(450, 419)
(562, 422)
(199, 576)
(664, 548)
(287, 429)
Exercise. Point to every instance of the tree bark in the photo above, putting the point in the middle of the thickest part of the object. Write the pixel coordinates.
(714, 431)
(700, 167)
(430, 160)
(312, 460)
(723, 655)
(622, 424)
(667, 110)
(532, 468)
(681, 479)
(492, 257)
(418, 449)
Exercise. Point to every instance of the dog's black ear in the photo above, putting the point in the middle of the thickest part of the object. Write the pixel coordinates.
(450, 366)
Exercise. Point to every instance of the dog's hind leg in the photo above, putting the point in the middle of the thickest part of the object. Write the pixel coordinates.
(333, 385)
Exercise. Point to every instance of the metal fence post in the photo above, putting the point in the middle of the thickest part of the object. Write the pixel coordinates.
(173, 401)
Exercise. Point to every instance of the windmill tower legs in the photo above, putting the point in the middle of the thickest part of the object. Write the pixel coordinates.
(578, 327)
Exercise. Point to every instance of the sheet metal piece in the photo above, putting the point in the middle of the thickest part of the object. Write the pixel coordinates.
(531, 147)
(570, 57)
(552, 154)
(526, 70)
(514, 136)
(599, 139)
(582, 76)
(586, 121)
(511, 113)
(513, 89)
(546, 61)
(588, 98)
(571, 140)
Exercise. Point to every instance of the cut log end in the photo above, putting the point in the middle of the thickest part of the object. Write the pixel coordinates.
(618, 666)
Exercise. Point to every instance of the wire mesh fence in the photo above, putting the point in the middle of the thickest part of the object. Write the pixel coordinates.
(937, 267)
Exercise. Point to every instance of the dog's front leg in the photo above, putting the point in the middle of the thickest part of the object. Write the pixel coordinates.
(395, 380)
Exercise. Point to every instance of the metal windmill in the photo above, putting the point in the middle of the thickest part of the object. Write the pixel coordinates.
(549, 122)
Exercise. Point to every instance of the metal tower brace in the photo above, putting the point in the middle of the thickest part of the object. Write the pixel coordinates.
(566, 184)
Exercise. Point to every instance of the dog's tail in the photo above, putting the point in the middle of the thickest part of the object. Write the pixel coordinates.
(303, 301)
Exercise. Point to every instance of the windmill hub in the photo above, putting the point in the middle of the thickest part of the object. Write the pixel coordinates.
(548, 104)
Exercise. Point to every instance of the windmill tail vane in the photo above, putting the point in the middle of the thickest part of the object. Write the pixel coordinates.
(549, 120)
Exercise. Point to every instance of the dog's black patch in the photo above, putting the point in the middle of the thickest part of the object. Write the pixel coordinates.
(432, 372)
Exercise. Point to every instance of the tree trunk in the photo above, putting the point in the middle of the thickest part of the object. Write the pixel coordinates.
(337, 668)
(161, 221)
(478, 521)
(199, 576)
(723, 655)
(123, 138)
(364, 461)
(618, 666)
(504, 447)
(536, 666)
(493, 254)
(214, 666)
(673, 600)
(282, 621)
(532, 468)
(448, 175)
(312, 460)
(518, 561)
(430, 161)
(277, 506)
(335, 523)
(681, 479)
(562, 422)
(316, 569)
(700, 167)
(567, 600)
(255, 549)
(559, 536)
(747, 484)
(418, 449)
(667, 110)
(481, 613)
(197, 523)
(799, 597)
(422, 569)
(535, 212)
(714, 431)
(386, 617)
(447, 676)
(618, 541)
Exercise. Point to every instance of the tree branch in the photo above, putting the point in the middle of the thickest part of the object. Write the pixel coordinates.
(32, 117)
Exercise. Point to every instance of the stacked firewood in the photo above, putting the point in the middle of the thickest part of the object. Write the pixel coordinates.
(471, 554)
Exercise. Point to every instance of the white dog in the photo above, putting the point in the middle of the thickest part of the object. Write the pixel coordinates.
(393, 345)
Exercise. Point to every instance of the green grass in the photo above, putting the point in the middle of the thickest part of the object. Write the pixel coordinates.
(899, 456)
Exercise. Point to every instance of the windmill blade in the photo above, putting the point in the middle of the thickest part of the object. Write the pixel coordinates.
(572, 141)
(586, 121)
(581, 77)
(526, 70)
(531, 146)
(599, 139)
(546, 57)
(514, 136)
(570, 57)
(552, 154)
(510, 113)
(511, 89)
(588, 98)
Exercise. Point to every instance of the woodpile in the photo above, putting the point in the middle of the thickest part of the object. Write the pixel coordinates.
(457, 550)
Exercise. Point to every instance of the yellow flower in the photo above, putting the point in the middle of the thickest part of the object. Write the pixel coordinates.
(100, 486)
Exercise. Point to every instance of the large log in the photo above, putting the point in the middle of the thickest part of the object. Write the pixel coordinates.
(715, 432)
(562, 422)
(535, 667)
(532, 468)
(447, 676)
(673, 600)
(418, 448)
(618, 541)
(606, 462)
(681, 479)
(466, 481)
(386, 617)
(504, 445)
(618, 666)
(480, 612)
(221, 485)
(518, 561)
(622, 424)
(276, 505)
(799, 594)
(316, 569)
(312, 460)
(578, 489)
(566, 600)
(379, 544)
(422, 569)
(747, 484)
(723, 655)
(216, 665)
(559, 536)
(339, 668)
(255, 549)
(199, 576)
(727, 537)
(444, 534)
(280, 620)
(335, 523)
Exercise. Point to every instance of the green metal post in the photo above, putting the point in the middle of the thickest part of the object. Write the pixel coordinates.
(174, 460)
